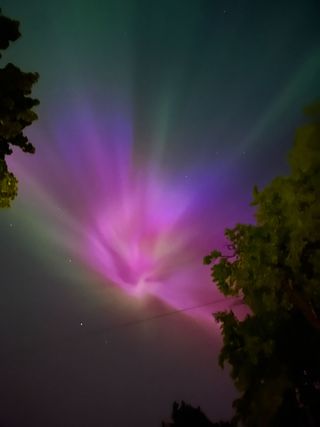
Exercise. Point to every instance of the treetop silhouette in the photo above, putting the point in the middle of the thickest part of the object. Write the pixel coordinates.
(16, 111)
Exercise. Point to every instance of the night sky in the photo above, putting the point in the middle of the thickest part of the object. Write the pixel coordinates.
(156, 120)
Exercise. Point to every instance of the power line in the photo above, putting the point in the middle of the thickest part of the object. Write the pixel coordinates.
(129, 323)
(72, 338)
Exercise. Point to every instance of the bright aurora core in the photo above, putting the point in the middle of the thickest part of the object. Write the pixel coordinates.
(141, 228)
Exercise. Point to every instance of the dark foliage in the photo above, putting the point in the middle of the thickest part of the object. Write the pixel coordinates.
(16, 111)
(184, 415)
(274, 266)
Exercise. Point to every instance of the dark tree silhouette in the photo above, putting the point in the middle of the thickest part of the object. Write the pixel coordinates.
(16, 110)
(184, 415)
(274, 266)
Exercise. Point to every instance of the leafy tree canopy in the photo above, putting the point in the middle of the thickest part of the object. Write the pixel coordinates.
(274, 266)
(16, 110)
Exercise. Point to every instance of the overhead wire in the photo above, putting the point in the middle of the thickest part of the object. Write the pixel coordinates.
(234, 301)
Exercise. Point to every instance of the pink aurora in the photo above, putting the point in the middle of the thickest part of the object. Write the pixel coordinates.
(143, 229)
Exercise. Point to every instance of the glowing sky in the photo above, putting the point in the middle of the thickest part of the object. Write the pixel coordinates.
(156, 120)
(142, 229)
(140, 156)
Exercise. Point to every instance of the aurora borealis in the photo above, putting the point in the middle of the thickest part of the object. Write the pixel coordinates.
(156, 120)
(140, 230)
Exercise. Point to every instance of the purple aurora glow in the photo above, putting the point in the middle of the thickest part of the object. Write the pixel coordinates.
(143, 228)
